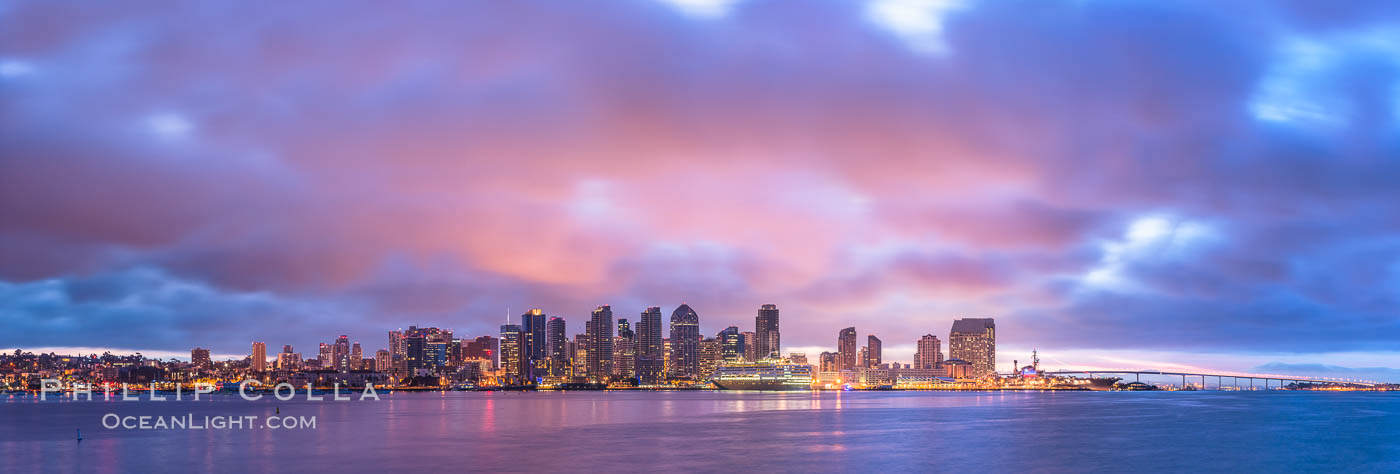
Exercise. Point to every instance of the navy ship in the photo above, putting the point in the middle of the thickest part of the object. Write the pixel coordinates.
(763, 375)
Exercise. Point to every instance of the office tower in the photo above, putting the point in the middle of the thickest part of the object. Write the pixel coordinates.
(435, 349)
(383, 361)
(798, 358)
(324, 356)
(864, 356)
(666, 356)
(731, 345)
(558, 347)
(357, 356)
(625, 352)
(651, 360)
(928, 355)
(259, 357)
(974, 340)
(482, 349)
(533, 336)
(398, 352)
(709, 350)
(511, 354)
(340, 353)
(874, 351)
(600, 342)
(749, 340)
(200, 358)
(766, 328)
(685, 342)
(829, 362)
(581, 354)
(846, 346)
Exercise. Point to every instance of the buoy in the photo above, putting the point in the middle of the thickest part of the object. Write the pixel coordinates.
(80, 434)
(279, 410)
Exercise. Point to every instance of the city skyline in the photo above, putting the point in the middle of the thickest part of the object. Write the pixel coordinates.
(1183, 184)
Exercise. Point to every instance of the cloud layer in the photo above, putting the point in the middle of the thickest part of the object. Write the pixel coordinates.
(1190, 176)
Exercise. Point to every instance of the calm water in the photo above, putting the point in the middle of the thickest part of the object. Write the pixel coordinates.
(728, 431)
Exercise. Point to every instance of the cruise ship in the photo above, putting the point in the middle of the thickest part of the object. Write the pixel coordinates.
(763, 375)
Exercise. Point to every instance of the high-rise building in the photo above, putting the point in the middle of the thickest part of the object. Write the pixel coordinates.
(357, 356)
(651, 360)
(483, 348)
(829, 362)
(874, 351)
(580, 354)
(325, 355)
(533, 346)
(625, 352)
(798, 358)
(864, 356)
(600, 341)
(259, 357)
(557, 343)
(398, 352)
(200, 358)
(340, 353)
(846, 347)
(731, 345)
(511, 354)
(928, 355)
(709, 350)
(383, 361)
(974, 340)
(685, 342)
(766, 328)
(749, 340)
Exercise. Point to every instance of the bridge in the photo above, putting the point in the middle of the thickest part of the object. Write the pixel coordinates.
(1277, 380)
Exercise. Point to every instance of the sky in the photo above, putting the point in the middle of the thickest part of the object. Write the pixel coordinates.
(1121, 184)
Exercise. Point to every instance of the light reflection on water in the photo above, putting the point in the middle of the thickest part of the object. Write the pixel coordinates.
(709, 431)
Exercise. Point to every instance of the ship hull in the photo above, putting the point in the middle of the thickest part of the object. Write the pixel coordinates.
(764, 385)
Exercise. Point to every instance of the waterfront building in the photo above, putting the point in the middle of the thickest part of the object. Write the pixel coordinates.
(558, 347)
(288, 360)
(651, 359)
(340, 353)
(766, 329)
(259, 357)
(749, 340)
(959, 369)
(483, 348)
(357, 356)
(731, 345)
(685, 342)
(199, 357)
(512, 366)
(846, 347)
(928, 354)
(600, 341)
(383, 361)
(580, 362)
(709, 352)
(666, 357)
(625, 352)
(974, 340)
(874, 354)
(533, 348)
(798, 358)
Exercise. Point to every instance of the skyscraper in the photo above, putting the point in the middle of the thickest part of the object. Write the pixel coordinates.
(731, 345)
(580, 354)
(288, 360)
(533, 347)
(600, 340)
(651, 361)
(874, 351)
(340, 353)
(511, 354)
(259, 357)
(975, 341)
(749, 340)
(846, 347)
(558, 344)
(766, 328)
(709, 350)
(685, 342)
(357, 356)
(929, 355)
(383, 361)
(625, 352)
(200, 358)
